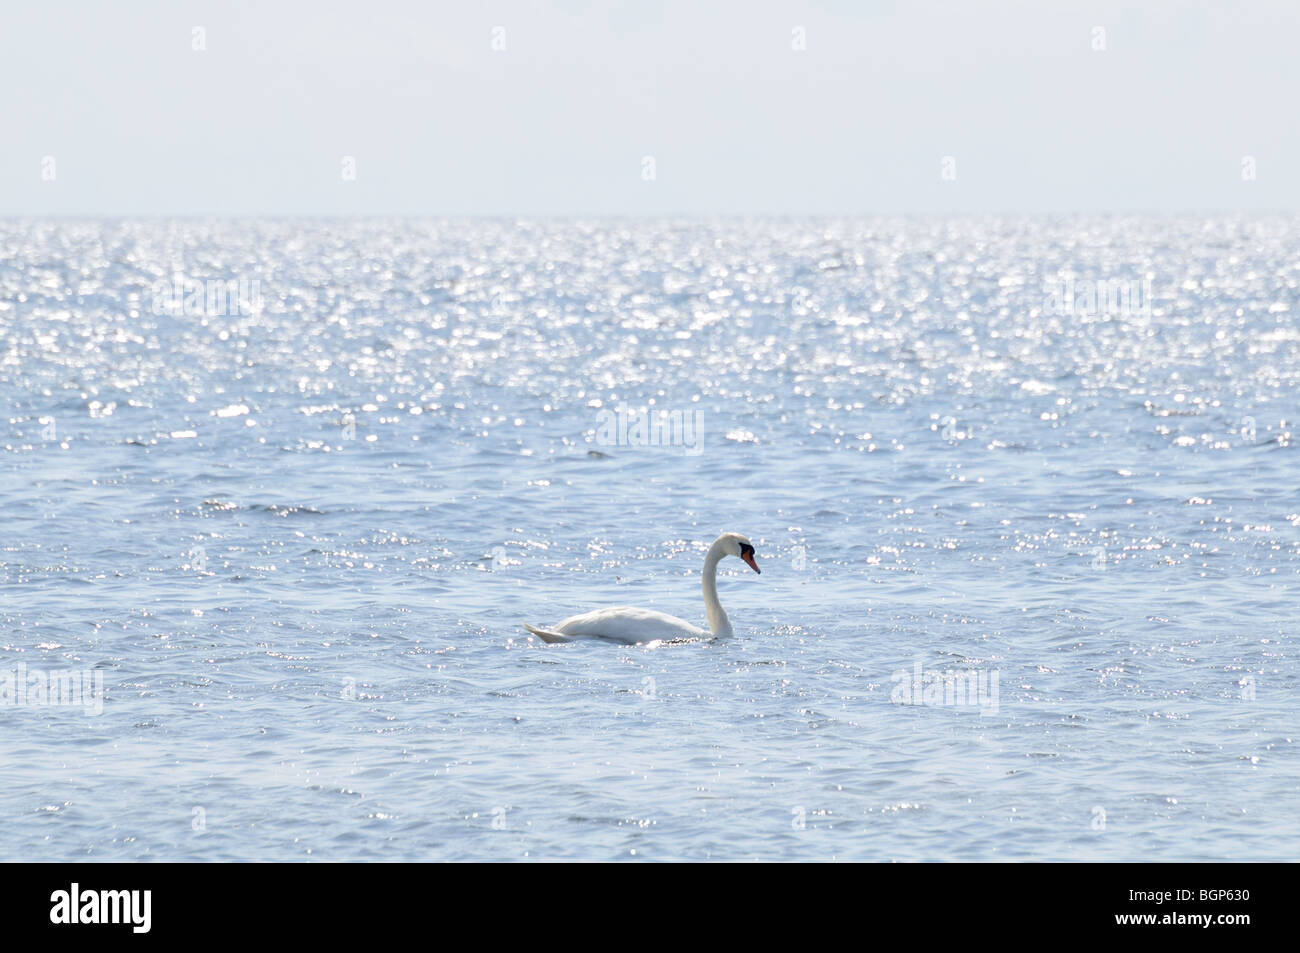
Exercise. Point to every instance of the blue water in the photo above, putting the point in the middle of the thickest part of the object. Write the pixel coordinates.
(297, 543)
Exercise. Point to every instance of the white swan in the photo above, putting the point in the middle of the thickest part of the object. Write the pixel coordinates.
(630, 626)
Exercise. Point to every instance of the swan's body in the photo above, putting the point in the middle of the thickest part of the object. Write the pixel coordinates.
(624, 624)
(631, 625)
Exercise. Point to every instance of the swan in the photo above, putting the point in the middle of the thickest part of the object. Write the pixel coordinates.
(630, 626)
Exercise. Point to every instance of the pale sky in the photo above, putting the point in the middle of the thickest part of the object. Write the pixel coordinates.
(560, 121)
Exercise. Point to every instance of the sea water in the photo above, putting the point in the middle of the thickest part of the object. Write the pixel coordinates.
(277, 496)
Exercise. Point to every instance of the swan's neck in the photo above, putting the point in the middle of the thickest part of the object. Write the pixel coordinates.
(719, 624)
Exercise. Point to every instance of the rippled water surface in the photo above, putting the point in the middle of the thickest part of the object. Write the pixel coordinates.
(297, 541)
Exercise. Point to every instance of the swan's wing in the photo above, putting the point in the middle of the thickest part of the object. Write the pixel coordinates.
(628, 625)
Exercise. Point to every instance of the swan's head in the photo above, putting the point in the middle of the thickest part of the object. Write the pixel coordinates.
(733, 544)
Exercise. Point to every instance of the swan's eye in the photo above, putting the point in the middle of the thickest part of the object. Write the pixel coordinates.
(746, 549)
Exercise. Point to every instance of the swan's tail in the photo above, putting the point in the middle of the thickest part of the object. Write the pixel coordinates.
(545, 635)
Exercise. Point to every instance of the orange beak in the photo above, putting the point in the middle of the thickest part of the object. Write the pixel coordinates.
(749, 558)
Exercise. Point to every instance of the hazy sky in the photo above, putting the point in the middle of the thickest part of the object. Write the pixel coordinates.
(559, 121)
